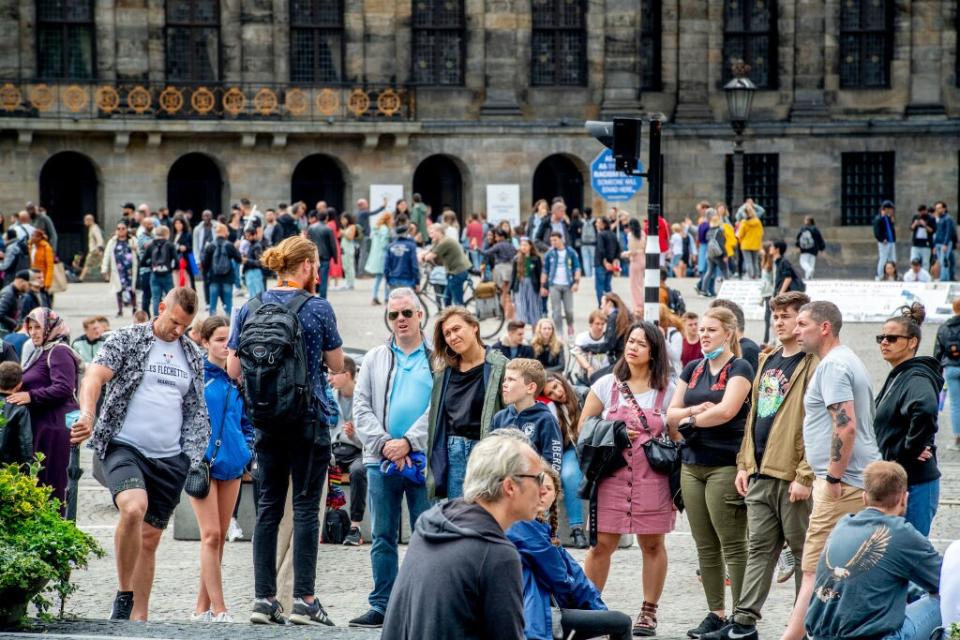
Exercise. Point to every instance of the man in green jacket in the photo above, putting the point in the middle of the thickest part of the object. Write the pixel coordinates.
(772, 472)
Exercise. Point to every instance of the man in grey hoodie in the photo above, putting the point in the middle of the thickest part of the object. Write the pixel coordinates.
(461, 577)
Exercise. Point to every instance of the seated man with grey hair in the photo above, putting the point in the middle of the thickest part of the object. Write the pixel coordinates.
(461, 577)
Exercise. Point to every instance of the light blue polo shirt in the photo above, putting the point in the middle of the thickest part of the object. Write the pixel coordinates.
(412, 385)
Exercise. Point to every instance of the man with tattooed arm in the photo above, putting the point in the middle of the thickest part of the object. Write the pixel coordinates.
(838, 437)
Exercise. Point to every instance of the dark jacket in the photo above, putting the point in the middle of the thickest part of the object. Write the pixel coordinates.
(551, 362)
(163, 256)
(286, 227)
(322, 236)
(520, 351)
(460, 551)
(549, 572)
(401, 265)
(946, 231)
(906, 418)
(533, 276)
(232, 253)
(16, 435)
(930, 224)
(946, 349)
(501, 252)
(818, 243)
(880, 229)
(10, 308)
(254, 253)
(607, 248)
(546, 229)
(540, 427)
(600, 449)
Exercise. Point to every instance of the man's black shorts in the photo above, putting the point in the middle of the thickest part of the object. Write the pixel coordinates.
(124, 467)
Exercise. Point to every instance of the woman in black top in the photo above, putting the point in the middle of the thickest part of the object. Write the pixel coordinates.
(710, 410)
(605, 258)
(907, 409)
(183, 241)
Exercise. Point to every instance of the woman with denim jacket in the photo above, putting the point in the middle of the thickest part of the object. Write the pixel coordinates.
(229, 451)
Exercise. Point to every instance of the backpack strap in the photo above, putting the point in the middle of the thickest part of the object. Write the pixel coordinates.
(297, 302)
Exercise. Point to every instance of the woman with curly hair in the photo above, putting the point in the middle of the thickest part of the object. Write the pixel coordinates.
(550, 574)
(547, 347)
(564, 397)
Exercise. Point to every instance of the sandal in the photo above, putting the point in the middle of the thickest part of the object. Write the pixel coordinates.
(646, 624)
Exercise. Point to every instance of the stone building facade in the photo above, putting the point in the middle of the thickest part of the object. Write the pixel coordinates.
(197, 103)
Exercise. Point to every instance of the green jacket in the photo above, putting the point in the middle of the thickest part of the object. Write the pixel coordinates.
(437, 463)
(784, 456)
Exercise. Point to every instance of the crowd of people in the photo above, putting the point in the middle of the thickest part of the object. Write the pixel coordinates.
(781, 454)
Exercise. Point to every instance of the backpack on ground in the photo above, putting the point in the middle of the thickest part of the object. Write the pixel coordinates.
(676, 302)
(336, 526)
(715, 247)
(221, 265)
(273, 360)
(806, 239)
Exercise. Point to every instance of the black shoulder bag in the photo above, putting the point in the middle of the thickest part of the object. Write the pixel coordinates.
(198, 479)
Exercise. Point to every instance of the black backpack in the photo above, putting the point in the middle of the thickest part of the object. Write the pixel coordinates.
(336, 526)
(221, 264)
(676, 303)
(951, 341)
(273, 360)
(23, 259)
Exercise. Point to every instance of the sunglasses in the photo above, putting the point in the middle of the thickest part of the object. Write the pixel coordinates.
(538, 477)
(393, 315)
(892, 339)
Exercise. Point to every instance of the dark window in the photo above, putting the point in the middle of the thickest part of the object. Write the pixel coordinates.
(867, 181)
(193, 40)
(750, 36)
(866, 43)
(316, 40)
(65, 33)
(650, 38)
(761, 179)
(439, 37)
(559, 43)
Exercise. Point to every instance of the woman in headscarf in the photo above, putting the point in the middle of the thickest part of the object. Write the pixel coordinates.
(119, 268)
(49, 392)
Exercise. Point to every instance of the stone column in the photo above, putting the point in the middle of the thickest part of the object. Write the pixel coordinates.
(28, 35)
(693, 90)
(281, 41)
(621, 73)
(500, 26)
(809, 60)
(256, 31)
(108, 50)
(354, 32)
(9, 46)
(380, 53)
(231, 42)
(156, 46)
(925, 54)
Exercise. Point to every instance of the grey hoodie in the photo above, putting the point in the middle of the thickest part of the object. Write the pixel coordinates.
(461, 578)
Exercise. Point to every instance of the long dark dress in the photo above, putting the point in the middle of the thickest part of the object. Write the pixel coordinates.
(52, 396)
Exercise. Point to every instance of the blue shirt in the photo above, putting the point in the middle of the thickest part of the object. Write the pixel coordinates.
(319, 326)
(412, 386)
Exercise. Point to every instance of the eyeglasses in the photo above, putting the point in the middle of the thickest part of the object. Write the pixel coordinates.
(538, 477)
(892, 339)
(393, 315)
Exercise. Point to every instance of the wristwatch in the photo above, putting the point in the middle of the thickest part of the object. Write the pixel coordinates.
(832, 480)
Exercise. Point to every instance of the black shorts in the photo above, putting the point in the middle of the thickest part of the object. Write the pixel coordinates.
(124, 467)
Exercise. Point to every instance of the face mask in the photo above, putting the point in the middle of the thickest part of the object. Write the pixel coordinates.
(713, 355)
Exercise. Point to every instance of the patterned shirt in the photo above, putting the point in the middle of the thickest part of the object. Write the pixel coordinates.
(125, 353)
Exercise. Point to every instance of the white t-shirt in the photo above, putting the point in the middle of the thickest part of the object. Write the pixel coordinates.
(676, 244)
(154, 415)
(561, 276)
(603, 386)
(950, 585)
(675, 351)
(596, 360)
(919, 276)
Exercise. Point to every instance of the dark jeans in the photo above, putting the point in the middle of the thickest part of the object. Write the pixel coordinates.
(160, 284)
(324, 272)
(278, 461)
(454, 292)
(145, 288)
(358, 489)
(586, 623)
(602, 282)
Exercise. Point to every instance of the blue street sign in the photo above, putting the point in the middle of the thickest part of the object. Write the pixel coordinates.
(610, 184)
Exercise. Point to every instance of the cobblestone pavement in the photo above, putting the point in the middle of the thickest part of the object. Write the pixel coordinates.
(344, 579)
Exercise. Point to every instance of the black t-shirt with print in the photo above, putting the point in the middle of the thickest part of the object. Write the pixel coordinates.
(714, 446)
(773, 386)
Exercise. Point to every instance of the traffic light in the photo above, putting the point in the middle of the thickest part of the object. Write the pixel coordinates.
(623, 136)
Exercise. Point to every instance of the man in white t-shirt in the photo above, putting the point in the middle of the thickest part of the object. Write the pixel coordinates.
(152, 428)
(560, 279)
(916, 272)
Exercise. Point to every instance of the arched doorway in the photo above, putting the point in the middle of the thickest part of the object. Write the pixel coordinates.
(439, 181)
(195, 182)
(556, 176)
(69, 190)
(317, 177)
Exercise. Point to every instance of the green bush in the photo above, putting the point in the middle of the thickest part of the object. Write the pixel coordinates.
(37, 546)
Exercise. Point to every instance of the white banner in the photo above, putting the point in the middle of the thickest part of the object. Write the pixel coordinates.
(503, 203)
(384, 195)
(858, 300)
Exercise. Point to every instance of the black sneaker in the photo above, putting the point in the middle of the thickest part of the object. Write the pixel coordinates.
(372, 619)
(122, 606)
(733, 631)
(267, 612)
(578, 539)
(353, 538)
(712, 622)
(312, 613)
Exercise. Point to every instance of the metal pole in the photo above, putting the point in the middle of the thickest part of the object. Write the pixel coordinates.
(651, 277)
(738, 194)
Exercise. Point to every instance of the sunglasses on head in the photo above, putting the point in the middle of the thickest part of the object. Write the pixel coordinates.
(892, 339)
(393, 315)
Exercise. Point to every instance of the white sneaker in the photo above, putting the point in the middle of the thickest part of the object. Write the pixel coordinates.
(221, 617)
(206, 616)
(234, 532)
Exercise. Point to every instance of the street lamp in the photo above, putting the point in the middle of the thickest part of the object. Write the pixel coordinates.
(739, 92)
